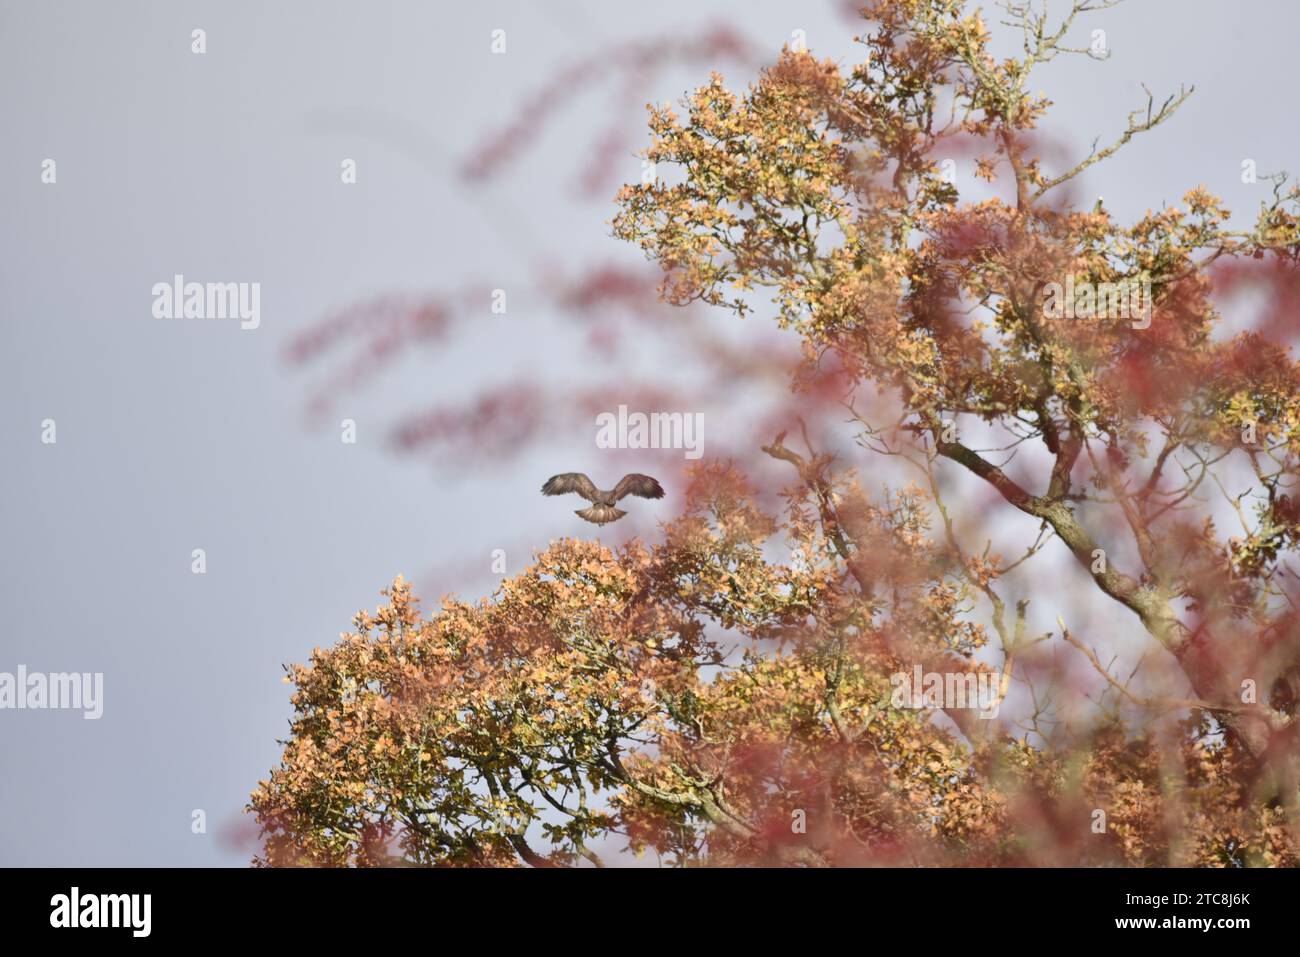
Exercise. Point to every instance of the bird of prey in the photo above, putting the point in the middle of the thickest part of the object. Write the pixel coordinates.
(602, 510)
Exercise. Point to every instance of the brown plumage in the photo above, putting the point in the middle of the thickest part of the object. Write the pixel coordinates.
(602, 510)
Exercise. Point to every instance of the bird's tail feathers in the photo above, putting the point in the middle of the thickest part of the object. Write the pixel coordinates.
(601, 514)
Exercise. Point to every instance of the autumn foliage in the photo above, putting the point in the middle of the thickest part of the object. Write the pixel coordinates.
(723, 694)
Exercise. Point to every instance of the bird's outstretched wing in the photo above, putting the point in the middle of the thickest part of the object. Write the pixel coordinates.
(634, 483)
(570, 482)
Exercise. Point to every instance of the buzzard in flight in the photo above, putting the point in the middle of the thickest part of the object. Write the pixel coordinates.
(602, 510)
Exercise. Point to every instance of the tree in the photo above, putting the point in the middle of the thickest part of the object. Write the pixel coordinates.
(741, 690)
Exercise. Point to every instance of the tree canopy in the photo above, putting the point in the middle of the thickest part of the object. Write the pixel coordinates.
(728, 692)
